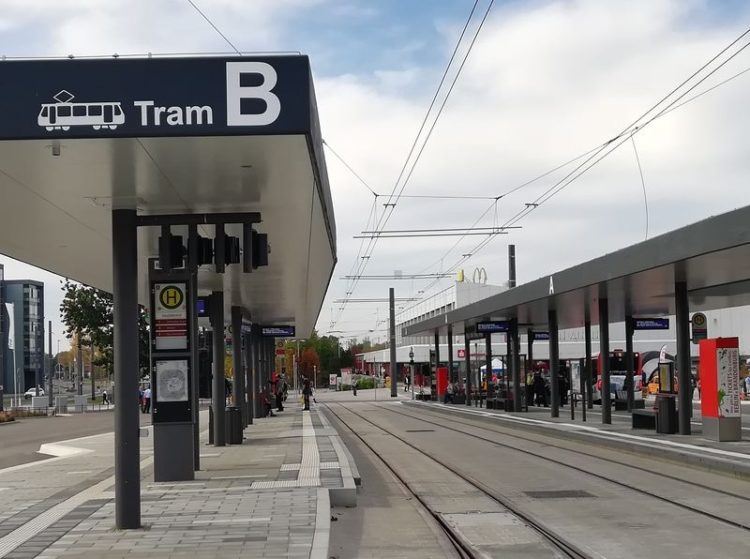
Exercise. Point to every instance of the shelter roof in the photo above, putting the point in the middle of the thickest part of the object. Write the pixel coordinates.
(163, 136)
(712, 256)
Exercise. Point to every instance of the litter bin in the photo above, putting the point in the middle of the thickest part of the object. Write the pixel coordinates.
(666, 414)
(233, 425)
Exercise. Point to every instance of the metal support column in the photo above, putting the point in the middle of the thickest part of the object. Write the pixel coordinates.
(79, 366)
(684, 372)
(629, 362)
(530, 349)
(515, 352)
(238, 371)
(249, 375)
(554, 363)
(394, 365)
(257, 383)
(488, 366)
(195, 368)
(48, 361)
(467, 357)
(588, 371)
(125, 322)
(451, 378)
(218, 391)
(604, 352)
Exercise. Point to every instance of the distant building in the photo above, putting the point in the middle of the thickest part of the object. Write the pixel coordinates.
(27, 359)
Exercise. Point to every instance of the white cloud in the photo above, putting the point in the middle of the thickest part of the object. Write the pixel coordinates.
(541, 86)
(545, 82)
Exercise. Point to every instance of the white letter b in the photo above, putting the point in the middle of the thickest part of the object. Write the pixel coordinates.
(237, 92)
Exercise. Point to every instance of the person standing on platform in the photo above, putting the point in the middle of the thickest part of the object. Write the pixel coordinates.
(105, 398)
(279, 395)
(540, 389)
(147, 400)
(530, 388)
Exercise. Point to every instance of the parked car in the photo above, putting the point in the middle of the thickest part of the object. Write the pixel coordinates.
(32, 392)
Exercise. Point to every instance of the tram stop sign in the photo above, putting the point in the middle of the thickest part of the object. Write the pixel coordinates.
(700, 327)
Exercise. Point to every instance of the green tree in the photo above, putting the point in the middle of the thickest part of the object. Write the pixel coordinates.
(87, 315)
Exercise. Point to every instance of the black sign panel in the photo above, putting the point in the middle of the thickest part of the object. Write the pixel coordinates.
(540, 336)
(106, 98)
(278, 331)
(650, 324)
(491, 327)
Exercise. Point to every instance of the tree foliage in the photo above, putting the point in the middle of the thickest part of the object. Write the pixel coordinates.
(87, 316)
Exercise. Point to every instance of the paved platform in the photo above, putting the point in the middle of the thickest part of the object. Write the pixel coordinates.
(732, 458)
(269, 497)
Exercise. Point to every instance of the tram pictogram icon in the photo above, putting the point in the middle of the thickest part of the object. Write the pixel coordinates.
(63, 113)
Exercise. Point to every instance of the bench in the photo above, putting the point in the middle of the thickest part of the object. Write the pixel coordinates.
(644, 419)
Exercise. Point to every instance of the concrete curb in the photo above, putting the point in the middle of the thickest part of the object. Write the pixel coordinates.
(715, 464)
(322, 534)
(345, 496)
(352, 463)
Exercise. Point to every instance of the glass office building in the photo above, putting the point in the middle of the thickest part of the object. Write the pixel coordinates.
(22, 367)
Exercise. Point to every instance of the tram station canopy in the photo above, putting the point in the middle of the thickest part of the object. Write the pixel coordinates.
(81, 137)
(712, 257)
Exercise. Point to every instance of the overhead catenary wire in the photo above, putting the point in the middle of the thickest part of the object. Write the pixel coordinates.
(616, 142)
(215, 28)
(373, 242)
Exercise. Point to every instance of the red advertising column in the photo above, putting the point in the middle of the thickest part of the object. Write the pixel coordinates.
(442, 381)
(720, 389)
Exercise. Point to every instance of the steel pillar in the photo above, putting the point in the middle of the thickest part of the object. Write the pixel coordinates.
(554, 363)
(238, 371)
(467, 357)
(437, 349)
(80, 366)
(588, 372)
(126, 350)
(515, 347)
(218, 392)
(451, 378)
(629, 362)
(194, 367)
(530, 348)
(604, 352)
(684, 372)
(511, 266)
(488, 365)
(48, 361)
(394, 365)
(249, 378)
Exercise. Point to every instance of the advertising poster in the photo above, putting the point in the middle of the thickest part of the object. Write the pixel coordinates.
(728, 373)
(172, 380)
(332, 380)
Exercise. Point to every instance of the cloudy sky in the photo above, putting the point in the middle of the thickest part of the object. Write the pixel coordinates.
(545, 82)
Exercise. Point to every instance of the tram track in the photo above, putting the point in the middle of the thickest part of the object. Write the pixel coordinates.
(554, 538)
(555, 461)
(512, 433)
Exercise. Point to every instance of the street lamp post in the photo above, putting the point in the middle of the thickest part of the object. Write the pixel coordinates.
(411, 370)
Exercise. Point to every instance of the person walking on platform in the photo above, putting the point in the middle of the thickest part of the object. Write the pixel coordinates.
(449, 390)
(306, 393)
(105, 398)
